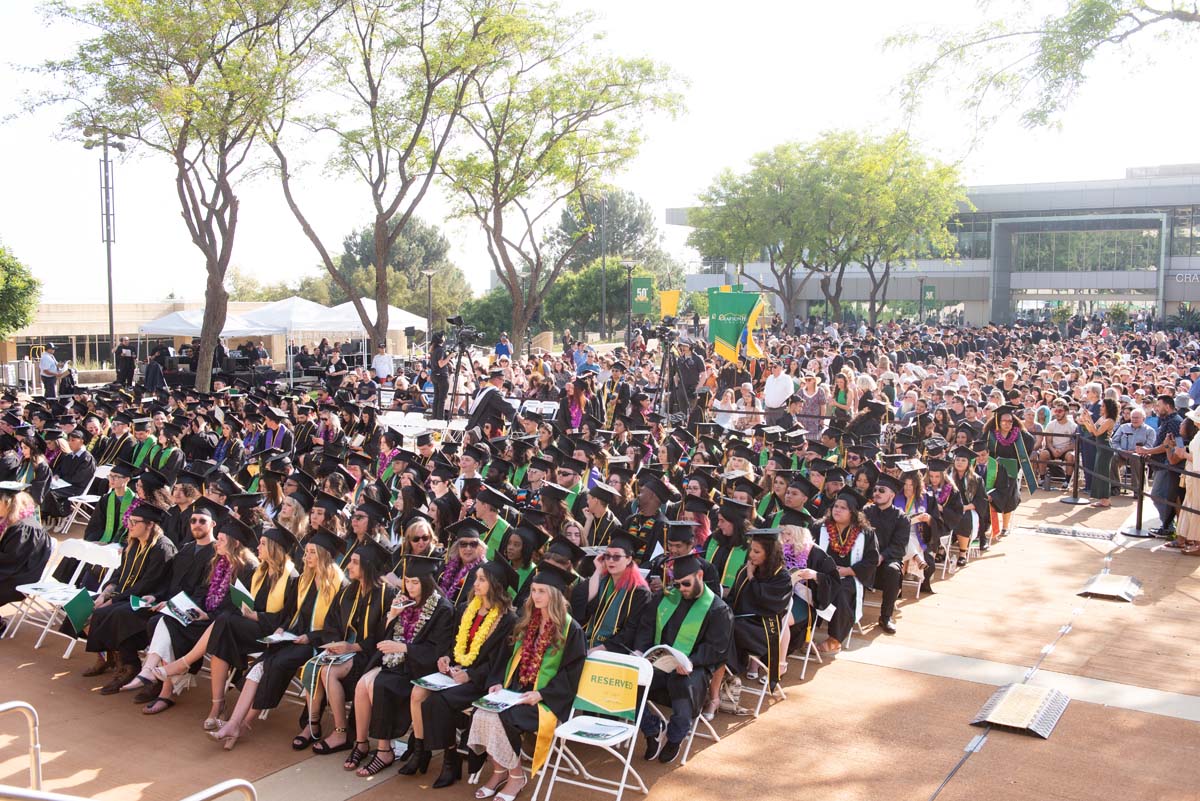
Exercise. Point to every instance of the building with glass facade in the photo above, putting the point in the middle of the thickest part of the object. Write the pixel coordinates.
(1026, 247)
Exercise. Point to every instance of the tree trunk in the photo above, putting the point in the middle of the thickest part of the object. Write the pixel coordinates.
(216, 306)
(521, 317)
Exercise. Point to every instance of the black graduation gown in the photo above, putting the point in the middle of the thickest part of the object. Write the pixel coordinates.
(712, 580)
(652, 529)
(234, 457)
(169, 464)
(759, 607)
(826, 589)
(443, 712)
(282, 660)
(364, 622)
(184, 638)
(589, 612)
(77, 470)
(118, 626)
(24, 551)
(558, 695)
(710, 651)
(391, 715)
(603, 528)
(235, 636)
(198, 446)
(864, 570)
(39, 483)
(891, 531)
(177, 525)
(458, 594)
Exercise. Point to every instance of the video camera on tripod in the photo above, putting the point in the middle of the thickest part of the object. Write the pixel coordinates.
(666, 330)
(465, 336)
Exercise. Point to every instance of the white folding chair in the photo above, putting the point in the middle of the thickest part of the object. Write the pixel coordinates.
(92, 554)
(30, 607)
(593, 723)
(84, 504)
(709, 732)
(759, 686)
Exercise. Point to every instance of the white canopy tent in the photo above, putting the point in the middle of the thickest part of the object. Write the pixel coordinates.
(295, 314)
(398, 319)
(188, 323)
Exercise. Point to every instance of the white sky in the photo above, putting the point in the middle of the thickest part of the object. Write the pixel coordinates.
(760, 73)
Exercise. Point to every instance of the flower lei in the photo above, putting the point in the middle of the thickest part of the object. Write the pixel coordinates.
(533, 649)
(841, 546)
(465, 653)
(453, 576)
(125, 517)
(218, 584)
(31, 511)
(410, 622)
(1009, 438)
(793, 558)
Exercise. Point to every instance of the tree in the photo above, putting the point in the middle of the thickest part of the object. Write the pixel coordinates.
(243, 287)
(907, 211)
(574, 300)
(397, 72)
(491, 313)
(192, 82)
(1021, 58)
(543, 130)
(19, 293)
(697, 302)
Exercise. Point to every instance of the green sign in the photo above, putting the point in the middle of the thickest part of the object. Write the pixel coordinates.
(931, 292)
(727, 314)
(641, 295)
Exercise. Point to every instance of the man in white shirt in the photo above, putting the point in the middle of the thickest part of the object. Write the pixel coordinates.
(1060, 447)
(382, 363)
(50, 370)
(778, 389)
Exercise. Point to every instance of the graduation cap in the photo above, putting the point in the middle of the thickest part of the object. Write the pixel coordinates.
(124, 468)
(744, 484)
(574, 465)
(281, 537)
(875, 407)
(801, 483)
(501, 572)
(773, 433)
(552, 575)
(744, 452)
(734, 510)
(687, 565)
(494, 497)
(629, 543)
(468, 527)
(541, 463)
(331, 542)
(554, 492)
(360, 460)
(657, 486)
(12, 487)
(938, 465)
(836, 474)
(1004, 409)
(563, 547)
(416, 566)
(332, 504)
(769, 534)
(426, 438)
(682, 530)
(981, 446)
(605, 494)
(377, 551)
(867, 452)
(963, 452)
(141, 423)
(685, 435)
(376, 511)
(821, 466)
(244, 500)
(234, 528)
(222, 483)
(148, 511)
(852, 499)
(152, 480)
(911, 464)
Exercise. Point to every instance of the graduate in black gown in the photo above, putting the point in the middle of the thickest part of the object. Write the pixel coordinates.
(234, 634)
(610, 603)
(319, 585)
(464, 555)
(760, 600)
(233, 561)
(820, 584)
(691, 618)
(354, 626)
(479, 637)
(681, 540)
(849, 540)
(24, 545)
(122, 629)
(418, 632)
(543, 665)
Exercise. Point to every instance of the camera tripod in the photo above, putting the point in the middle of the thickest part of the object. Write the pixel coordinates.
(671, 393)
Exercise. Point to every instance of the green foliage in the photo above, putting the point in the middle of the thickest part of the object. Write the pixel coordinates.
(1061, 314)
(574, 300)
(696, 302)
(1025, 59)
(812, 209)
(243, 287)
(490, 313)
(1187, 318)
(1118, 315)
(545, 128)
(19, 293)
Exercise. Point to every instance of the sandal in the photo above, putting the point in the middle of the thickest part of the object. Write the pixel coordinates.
(153, 707)
(138, 682)
(487, 790)
(375, 765)
(300, 741)
(214, 722)
(323, 748)
(512, 796)
(357, 755)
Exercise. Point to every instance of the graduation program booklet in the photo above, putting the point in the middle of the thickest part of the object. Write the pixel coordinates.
(283, 636)
(182, 609)
(666, 658)
(498, 701)
(436, 682)
(240, 595)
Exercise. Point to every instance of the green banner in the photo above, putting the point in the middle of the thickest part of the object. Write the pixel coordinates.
(641, 295)
(727, 314)
(931, 293)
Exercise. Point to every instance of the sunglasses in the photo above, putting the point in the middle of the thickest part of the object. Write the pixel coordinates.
(420, 539)
(612, 557)
(470, 544)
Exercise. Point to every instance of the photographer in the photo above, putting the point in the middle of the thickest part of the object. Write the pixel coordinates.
(439, 371)
(689, 367)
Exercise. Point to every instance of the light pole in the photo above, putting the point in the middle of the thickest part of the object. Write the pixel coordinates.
(921, 302)
(603, 268)
(108, 233)
(429, 283)
(629, 265)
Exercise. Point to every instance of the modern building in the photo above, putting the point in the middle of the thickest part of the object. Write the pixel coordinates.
(1025, 247)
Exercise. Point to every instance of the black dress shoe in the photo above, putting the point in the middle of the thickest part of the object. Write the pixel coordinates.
(927, 588)
(451, 769)
(887, 625)
(669, 752)
(654, 746)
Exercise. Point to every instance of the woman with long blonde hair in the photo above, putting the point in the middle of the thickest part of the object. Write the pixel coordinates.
(544, 665)
(25, 544)
(269, 678)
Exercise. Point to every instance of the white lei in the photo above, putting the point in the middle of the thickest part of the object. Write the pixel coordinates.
(394, 660)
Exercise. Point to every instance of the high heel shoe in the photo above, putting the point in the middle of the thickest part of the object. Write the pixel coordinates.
(499, 777)
(475, 762)
(214, 722)
(418, 759)
(512, 796)
(451, 769)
